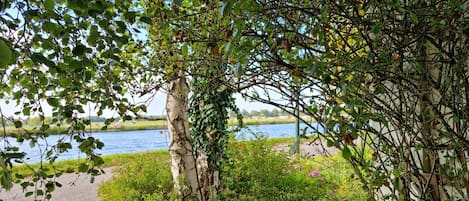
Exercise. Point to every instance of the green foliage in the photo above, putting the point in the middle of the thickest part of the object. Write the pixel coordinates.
(370, 80)
(254, 171)
(5, 54)
(209, 115)
(143, 178)
(398, 64)
(62, 56)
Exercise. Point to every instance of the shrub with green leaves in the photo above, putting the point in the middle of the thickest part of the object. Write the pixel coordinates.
(141, 179)
(254, 171)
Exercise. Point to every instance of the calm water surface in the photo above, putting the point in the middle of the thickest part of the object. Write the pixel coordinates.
(144, 140)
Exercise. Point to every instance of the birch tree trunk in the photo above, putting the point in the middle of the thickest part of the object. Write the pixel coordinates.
(183, 166)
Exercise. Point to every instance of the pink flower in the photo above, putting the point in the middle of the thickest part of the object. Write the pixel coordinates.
(331, 193)
(314, 173)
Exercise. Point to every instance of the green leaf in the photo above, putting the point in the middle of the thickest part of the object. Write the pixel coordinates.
(143, 108)
(6, 181)
(346, 152)
(5, 54)
(83, 167)
(376, 29)
(122, 26)
(329, 143)
(27, 111)
(414, 18)
(50, 187)
(39, 192)
(58, 184)
(79, 50)
(185, 50)
(18, 124)
(54, 102)
(67, 82)
(146, 20)
(49, 4)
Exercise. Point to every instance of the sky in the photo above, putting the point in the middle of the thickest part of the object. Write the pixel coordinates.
(156, 107)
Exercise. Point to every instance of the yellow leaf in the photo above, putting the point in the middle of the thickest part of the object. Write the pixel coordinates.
(361, 12)
(338, 101)
(349, 77)
(340, 69)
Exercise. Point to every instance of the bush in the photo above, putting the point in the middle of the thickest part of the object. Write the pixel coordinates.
(141, 179)
(253, 171)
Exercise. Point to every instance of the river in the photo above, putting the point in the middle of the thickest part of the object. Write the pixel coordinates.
(142, 140)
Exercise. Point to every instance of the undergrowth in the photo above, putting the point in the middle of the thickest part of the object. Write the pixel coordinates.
(252, 171)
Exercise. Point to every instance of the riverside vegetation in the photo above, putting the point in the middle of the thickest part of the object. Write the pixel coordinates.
(252, 171)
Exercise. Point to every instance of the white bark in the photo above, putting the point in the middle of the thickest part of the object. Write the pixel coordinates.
(183, 164)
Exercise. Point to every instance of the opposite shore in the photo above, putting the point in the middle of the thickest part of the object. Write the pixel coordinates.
(134, 125)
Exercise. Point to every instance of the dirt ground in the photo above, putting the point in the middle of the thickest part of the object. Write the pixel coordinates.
(75, 187)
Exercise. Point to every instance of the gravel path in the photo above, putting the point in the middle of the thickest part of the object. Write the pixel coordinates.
(75, 187)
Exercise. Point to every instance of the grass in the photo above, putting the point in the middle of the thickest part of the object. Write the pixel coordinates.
(137, 125)
(72, 165)
(252, 171)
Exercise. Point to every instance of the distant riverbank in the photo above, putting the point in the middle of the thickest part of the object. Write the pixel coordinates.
(138, 125)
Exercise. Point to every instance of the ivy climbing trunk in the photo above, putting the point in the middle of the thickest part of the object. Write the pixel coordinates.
(209, 113)
(183, 166)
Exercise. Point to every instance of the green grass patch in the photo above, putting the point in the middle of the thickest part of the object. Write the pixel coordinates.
(144, 176)
(72, 165)
(252, 171)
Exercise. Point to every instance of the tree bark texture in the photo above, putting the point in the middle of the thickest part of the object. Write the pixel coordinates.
(183, 165)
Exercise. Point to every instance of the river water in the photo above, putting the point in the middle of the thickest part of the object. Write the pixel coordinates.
(142, 140)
